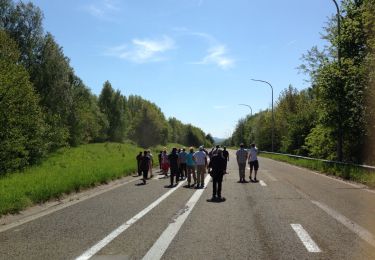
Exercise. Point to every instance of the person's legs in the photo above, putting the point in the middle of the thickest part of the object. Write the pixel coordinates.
(172, 176)
(256, 167)
(242, 167)
(145, 173)
(219, 183)
(251, 170)
(194, 175)
(214, 187)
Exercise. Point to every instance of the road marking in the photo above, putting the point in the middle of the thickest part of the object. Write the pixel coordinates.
(262, 183)
(105, 241)
(68, 202)
(307, 241)
(309, 171)
(163, 242)
(354, 227)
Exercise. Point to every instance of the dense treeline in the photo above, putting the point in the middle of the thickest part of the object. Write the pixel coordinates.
(44, 105)
(307, 122)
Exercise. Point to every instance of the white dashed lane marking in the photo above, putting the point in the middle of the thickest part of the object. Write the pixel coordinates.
(108, 239)
(305, 238)
(163, 242)
(262, 183)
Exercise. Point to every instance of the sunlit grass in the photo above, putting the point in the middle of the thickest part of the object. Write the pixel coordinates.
(347, 172)
(68, 170)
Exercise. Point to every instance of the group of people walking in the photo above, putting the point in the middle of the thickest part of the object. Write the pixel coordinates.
(193, 165)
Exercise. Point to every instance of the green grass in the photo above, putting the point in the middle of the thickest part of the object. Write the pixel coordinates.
(68, 170)
(347, 172)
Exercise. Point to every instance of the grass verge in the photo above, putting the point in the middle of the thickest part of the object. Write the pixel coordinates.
(347, 172)
(66, 171)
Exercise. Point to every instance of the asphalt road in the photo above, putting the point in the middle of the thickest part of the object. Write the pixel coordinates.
(291, 214)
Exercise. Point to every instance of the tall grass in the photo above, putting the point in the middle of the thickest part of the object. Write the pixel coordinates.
(69, 169)
(347, 172)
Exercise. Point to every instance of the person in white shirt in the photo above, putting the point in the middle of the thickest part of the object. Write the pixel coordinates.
(253, 161)
(242, 155)
(200, 159)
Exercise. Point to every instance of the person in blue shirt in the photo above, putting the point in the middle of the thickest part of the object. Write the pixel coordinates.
(190, 165)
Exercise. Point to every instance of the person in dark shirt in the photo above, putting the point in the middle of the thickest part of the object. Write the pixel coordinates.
(159, 158)
(145, 165)
(218, 169)
(226, 156)
(139, 158)
(174, 163)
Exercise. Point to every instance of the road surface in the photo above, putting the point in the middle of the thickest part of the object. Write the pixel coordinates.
(291, 214)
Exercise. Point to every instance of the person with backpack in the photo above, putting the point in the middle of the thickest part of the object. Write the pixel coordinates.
(218, 170)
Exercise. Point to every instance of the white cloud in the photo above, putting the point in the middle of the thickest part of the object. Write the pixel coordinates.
(143, 50)
(103, 9)
(291, 42)
(217, 55)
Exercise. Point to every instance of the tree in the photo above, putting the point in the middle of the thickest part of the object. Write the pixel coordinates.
(21, 120)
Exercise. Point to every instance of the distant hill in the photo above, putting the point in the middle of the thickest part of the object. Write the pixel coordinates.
(218, 140)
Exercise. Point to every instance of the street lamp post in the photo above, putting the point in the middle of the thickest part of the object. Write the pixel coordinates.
(273, 118)
(251, 110)
(340, 130)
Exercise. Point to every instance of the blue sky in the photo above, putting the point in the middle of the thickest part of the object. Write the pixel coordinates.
(193, 58)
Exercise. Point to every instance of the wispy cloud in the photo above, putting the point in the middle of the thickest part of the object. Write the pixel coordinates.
(217, 55)
(102, 9)
(143, 50)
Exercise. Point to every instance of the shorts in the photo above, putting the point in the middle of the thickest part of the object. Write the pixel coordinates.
(254, 164)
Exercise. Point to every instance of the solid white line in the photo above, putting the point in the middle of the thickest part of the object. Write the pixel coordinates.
(307, 241)
(262, 183)
(67, 202)
(105, 241)
(163, 242)
(354, 227)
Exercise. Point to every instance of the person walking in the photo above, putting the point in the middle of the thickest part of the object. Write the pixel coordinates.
(173, 163)
(159, 159)
(145, 166)
(182, 160)
(226, 156)
(139, 158)
(165, 163)
(190, 165)
(242, 155)
(253, 161)
(201, 162)
(151, 162)
(218, 170)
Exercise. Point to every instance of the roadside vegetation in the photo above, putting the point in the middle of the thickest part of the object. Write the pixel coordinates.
(340, 98)
(346, 172)
(69, 170)
(45, 106)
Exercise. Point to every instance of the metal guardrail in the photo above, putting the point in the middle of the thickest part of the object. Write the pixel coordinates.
(369, 167)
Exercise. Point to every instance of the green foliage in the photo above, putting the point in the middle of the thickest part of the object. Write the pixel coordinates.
(341, 97)
(347, 172)
(21, 124)
(65, 171)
